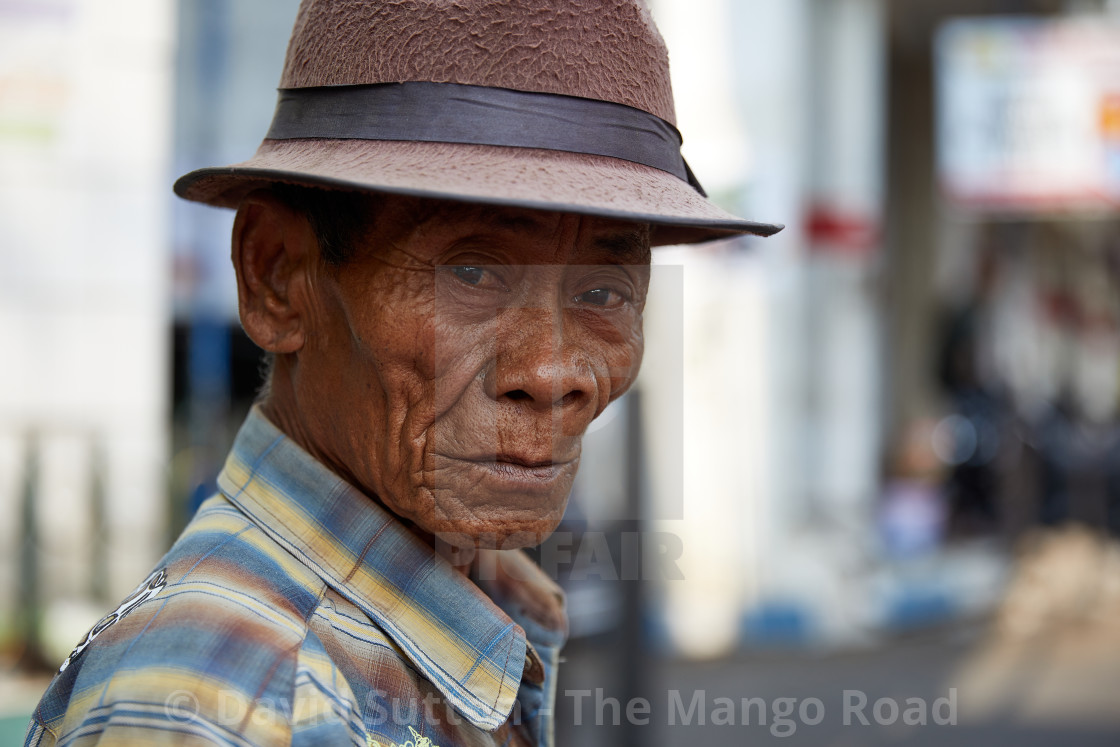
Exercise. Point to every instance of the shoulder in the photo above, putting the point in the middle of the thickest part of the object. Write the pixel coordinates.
(208, 645)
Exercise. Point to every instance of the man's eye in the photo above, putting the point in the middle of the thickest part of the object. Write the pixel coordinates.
(604, 297)
(468, 274)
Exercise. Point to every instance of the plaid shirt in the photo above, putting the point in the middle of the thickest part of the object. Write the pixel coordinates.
(293, 609)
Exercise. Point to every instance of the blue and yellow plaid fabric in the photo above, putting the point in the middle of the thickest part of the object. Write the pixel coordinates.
(293, 609)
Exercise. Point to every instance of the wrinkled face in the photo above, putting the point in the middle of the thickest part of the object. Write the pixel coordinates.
(453, 365)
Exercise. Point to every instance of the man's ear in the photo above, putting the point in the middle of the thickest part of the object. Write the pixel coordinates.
(273, 249)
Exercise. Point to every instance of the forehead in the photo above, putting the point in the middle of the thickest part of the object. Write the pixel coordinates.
(532, 235)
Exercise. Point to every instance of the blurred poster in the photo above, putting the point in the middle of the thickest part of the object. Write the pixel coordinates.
(1028, 114)
(34, 86)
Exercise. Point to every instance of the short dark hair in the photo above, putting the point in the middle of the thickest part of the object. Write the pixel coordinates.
(338, 218)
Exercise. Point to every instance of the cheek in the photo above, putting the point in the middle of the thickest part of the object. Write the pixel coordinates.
(621, 356)
(635, 350)
(389, 370)
(399, 362)
(461, 352)
(394, 336)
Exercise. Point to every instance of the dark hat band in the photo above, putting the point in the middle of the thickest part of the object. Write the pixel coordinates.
(479, 115)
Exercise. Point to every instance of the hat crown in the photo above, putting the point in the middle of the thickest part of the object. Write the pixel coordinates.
(600, 49)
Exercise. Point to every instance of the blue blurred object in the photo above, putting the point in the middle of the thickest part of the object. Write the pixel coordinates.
(911, 518)
(917, 607)
(777, 623)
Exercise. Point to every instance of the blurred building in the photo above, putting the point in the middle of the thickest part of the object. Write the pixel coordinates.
(923, 367)
(85, 140)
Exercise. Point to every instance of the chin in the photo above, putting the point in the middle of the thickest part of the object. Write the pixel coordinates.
(510, 533)
(500, 509)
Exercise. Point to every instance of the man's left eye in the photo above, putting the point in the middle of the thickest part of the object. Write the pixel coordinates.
(468, 274)
(604, 297)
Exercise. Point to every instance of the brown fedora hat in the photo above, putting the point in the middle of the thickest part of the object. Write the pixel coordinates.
(560, 105)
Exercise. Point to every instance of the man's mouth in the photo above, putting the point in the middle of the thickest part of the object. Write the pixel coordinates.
(522, 468)
(522, 461)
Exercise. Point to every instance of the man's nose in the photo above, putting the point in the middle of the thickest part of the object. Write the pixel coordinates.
(541, 363)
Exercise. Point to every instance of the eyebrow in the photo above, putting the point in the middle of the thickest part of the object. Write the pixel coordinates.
(625, 246)
(503, 218)
(631, 247)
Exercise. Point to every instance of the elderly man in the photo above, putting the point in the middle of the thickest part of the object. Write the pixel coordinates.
(444, 243)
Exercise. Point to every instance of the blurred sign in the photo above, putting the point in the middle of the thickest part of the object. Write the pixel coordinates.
(36, 78)
(1028, 113)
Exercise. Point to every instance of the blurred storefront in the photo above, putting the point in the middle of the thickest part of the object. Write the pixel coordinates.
(931, 366)
(1003, 286)
(1029, 164)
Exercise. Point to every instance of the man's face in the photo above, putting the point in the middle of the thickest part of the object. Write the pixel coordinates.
(452, 366)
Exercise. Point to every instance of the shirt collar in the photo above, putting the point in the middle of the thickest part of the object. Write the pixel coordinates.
(450, 630)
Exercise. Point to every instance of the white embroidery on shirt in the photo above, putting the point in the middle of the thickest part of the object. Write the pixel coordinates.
(416, 741)
(152, 585)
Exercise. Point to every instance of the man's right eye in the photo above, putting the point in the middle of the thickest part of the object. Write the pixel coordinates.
(468, 274)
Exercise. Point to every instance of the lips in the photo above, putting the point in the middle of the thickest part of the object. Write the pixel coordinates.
(543, 472)
(524, 471)
(522, 467)
(523, 461)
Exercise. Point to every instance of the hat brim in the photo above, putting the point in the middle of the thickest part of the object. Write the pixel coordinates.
(520, 177)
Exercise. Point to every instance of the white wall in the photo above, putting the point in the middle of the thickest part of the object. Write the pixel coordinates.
(85, 127)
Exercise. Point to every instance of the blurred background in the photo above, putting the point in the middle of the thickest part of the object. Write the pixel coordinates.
(879, 451)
